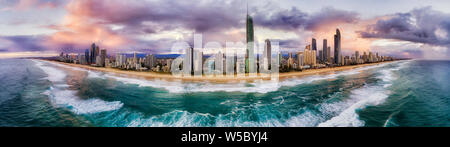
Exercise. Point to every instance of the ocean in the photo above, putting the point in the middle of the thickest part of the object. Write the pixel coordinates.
(401, 93)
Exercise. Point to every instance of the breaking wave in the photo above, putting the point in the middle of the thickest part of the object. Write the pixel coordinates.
(363, 97)
(61, 96)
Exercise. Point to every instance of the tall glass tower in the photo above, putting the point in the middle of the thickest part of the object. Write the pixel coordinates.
(337, 47)
(249, 56)
(92, 60)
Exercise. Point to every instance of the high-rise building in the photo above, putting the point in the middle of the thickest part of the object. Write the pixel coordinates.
(337, 48)
(86, 55)
(267, 54)
(357, 57)
(188, 66)
(328, 54)
(103, 57)
(309, 56)
(365, 58)
(300, 59)
(98, 61)
(290, 61)
(198, 62)
(92, 55)
(97, 51)
(321, 59)
(150, 61)
(218, 63)
(249, 56)
(314, 44)
(324, 49)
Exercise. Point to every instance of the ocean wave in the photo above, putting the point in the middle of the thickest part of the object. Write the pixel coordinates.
(61, 96)
(361, 98)
(68, 99)
(91, 74)
(53, 74)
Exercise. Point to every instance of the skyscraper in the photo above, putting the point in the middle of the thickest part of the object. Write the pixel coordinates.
(357, 57)
(321, 59)
(300, 59)
(103, 57)
(267, 54)
(324, 49)
(249, 56)
(337, 47)
(92, 57)
(188, 67)
(97, 51)
(198, 62)
(86, 55)
(328, 54)
(314, 44)
(218, 64)
(150, 61)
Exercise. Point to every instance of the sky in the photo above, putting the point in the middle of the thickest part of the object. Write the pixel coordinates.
(401, 28)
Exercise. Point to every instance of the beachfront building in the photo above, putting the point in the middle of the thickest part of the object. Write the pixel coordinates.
(328, 54)
(150, 61)
(250, 56)
(324, 50)
(219, 64)
(102, 57)
(266, 60)
(309, 56)
(337, 48)
(188, 66)
(300, 60)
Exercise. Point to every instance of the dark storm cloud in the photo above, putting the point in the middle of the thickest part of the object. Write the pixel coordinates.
(294, 19)
(420, 25)
(24, 43)
(154, 16)
(128, 20)
(205, 16)
(288, 43)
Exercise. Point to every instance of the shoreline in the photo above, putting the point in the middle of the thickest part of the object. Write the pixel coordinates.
(220, 79)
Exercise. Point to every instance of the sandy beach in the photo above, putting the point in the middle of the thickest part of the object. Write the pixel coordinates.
(215, 79)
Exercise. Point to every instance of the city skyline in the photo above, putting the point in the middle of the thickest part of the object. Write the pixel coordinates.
(73, 24)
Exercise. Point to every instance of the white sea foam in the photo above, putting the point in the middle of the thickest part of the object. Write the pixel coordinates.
(91, 74)
(54, 75)
(61, 96)
(361, 98)
(366, 96)
(68, 99)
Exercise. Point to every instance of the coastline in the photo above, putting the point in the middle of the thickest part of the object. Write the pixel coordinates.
(220, 79)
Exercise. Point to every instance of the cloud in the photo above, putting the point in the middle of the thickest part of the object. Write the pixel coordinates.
(422, 25)
(294, 19)
(28, 4)
(23, 43)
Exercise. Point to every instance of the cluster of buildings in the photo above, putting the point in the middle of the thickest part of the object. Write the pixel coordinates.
(99, 58)
(194, 62)
(311, 57)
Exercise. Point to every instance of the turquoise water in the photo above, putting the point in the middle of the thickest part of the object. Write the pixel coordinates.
(403, 93)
